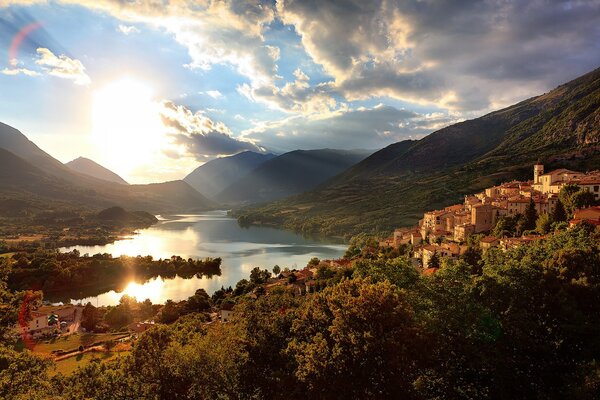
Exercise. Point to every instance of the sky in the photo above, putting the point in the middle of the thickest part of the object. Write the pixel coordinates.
(153, 89)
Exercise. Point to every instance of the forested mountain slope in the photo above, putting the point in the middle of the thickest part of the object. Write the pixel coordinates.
(559, 128)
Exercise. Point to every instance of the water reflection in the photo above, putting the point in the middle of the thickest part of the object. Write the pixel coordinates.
(211, 234)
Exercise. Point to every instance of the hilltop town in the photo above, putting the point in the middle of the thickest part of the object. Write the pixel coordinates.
(444, 233)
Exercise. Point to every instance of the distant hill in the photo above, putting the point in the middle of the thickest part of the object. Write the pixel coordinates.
(33, 176)
(120, 215)
(88, 167)
(288, 174)
(213, 177)
(395, 185)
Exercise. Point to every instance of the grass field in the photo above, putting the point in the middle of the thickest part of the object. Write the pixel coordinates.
(69, 365)
(72, 342)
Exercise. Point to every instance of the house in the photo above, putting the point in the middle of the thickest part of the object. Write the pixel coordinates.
(449, 250)
(590, 214)
(65, 312)
(436, 221)
(310, 286)
(226, 311)
(463, 231)
(40, 325)
(509, 243)
(37, 326)
(553, 181)
(591, 184)
(484, 216)
(139, 327)
(488, 242)
(470, 201)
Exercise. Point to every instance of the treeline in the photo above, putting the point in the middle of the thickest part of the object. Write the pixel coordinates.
(68, 227)
(52, 271)
(118, 317)
(520, 324)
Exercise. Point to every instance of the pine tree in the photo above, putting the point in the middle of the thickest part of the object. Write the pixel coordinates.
(530, 216)
(434, 261)
(559, 214)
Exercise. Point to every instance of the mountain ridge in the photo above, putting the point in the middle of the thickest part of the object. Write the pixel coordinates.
(212, 177)
(90, 167)
(288, 174)
(560, 128)
(57, 184)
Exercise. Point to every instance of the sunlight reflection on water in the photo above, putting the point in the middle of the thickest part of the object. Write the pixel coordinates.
(211, 234)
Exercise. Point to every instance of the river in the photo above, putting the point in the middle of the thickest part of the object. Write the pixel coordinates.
(210, 234)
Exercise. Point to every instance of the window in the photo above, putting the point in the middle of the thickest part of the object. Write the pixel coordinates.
(596, 188)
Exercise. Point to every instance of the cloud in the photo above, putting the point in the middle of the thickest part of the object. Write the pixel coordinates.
(127, 29)
(214, 32)
(463, 56)
(365, 128)
(17, 71)
(215, 94)
(62, 66)
(202, 137)
(297, 96)
(466, 57)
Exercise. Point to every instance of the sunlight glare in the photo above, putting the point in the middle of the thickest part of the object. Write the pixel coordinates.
(126, 124)
(149, 290)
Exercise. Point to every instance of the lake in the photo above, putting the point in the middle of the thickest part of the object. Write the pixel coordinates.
(211, 234)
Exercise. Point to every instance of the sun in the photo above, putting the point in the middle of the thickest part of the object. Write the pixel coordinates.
(126, 124)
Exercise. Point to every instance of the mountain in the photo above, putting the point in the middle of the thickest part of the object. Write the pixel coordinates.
(288, 174)
(14, 141)
(213, 177)
(88, 167)
(395, 185)
(35, 177)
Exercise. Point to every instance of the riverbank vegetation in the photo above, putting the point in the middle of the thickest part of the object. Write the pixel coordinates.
(24, 230)
(521, 323)
(53, 271)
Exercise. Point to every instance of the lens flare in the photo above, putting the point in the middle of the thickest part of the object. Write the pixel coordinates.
(18, 39)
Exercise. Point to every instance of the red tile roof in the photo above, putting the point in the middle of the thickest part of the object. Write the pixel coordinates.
(489, 239)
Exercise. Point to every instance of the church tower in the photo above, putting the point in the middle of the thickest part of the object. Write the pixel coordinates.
(538, 170)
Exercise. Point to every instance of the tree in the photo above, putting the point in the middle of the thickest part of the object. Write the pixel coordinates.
(258, 276)
(314, 262)
(559, 214)
(147, 309)
(434, 261)
(324, 272)
(398, 271)
(565, 196)
(276, 270)
(543, 224)
(357, 340)
(292, 278)
(23, 375)
(505, 226)
(530, 217)
(89, 317)
(582, 199)
(170, 312)
(199, 302)
(472, 256)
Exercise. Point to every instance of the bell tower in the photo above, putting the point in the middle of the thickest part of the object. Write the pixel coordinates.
(538, 170)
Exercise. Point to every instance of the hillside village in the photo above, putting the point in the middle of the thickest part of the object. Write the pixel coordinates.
(445, 232)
